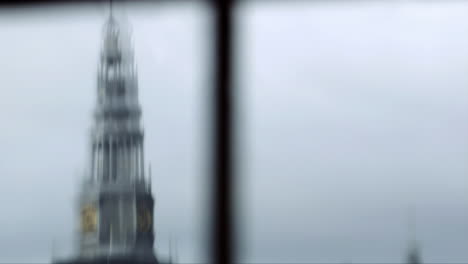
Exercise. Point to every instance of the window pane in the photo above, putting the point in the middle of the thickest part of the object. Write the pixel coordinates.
(354, 129)
(50, 57)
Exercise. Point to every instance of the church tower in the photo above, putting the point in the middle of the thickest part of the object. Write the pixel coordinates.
(115, 203)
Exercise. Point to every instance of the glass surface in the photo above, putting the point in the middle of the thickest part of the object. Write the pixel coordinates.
(353, 137)
(50, 57)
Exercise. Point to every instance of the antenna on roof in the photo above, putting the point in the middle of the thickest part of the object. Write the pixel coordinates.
(53, 249)
(412, 224)
(175, 251)
(170, 249)
(413, 256)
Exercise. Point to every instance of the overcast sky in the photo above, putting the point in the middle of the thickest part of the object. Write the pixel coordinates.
(350, 115)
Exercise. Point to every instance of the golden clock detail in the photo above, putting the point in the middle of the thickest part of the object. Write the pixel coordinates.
(144, 220)
(88, 219)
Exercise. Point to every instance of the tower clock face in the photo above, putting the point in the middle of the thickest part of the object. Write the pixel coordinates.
(144, 219)
(88, 219)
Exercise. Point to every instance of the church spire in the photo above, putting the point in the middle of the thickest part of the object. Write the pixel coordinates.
(116, 208)
(117, 131)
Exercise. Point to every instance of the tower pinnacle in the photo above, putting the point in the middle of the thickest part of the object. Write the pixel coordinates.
(110, 8)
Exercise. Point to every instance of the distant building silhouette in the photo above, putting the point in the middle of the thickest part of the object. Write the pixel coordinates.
(115, 202)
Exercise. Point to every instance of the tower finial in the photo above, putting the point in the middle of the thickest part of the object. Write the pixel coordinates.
(149, 173)
(111, 8)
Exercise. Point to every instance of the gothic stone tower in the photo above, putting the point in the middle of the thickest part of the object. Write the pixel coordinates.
(115, 203)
